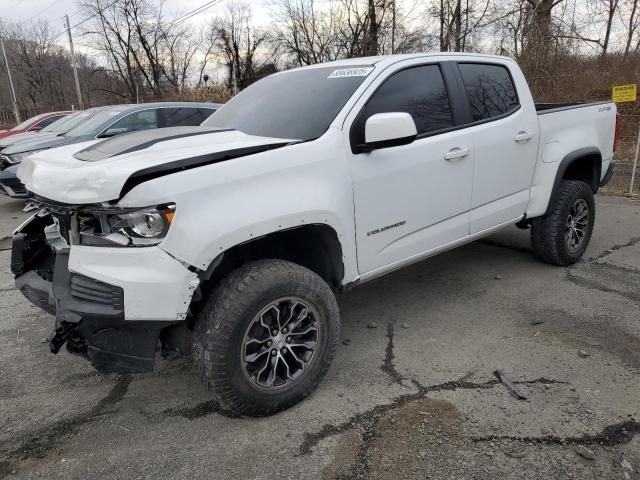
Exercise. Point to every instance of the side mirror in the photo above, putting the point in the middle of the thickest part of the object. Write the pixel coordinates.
(112, 132)
(384, 130)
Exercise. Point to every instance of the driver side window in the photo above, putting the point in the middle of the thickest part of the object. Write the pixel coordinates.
(419, 91)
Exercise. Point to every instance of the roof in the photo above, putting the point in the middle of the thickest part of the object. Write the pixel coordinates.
(386, 60)
(132, 107)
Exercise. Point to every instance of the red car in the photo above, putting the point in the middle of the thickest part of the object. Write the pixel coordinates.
(34, 124)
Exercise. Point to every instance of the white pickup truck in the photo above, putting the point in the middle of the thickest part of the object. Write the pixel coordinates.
(228, 241)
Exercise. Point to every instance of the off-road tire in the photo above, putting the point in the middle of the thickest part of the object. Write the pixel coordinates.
(225, 318)
(548, 232)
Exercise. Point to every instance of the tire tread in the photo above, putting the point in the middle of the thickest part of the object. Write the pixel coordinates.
(547, 232)
(217, 320)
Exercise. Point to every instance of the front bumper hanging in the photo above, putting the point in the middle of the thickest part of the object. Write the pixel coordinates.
(89, 313)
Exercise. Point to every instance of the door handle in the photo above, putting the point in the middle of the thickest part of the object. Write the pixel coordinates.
(456, 152)
(523, 137)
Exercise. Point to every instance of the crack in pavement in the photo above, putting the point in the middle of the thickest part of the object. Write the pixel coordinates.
(46, 439)
(388, 365)
(632, 242)
(366, 420)
(615, 434)
(594, 285)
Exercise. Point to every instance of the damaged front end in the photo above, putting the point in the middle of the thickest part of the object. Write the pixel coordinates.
(90, 313)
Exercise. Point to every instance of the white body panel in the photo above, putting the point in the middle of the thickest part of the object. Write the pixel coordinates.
(156, 286)
(389, 207)
(562, 133)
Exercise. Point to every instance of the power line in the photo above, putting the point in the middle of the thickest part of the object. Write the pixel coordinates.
(85, 20)
(181, 19)
(196, 11)
(42, 11)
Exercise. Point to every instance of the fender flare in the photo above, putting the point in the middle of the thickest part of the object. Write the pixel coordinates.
(568, 160)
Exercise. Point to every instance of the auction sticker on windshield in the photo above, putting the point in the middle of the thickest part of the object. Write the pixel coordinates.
(351, 72)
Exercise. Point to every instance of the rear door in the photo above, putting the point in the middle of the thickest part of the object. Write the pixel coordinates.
(504, 125)
(412, 198)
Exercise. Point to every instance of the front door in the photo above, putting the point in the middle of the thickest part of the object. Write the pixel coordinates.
(412, 198)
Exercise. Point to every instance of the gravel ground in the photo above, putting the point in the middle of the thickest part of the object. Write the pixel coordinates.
(413, 397)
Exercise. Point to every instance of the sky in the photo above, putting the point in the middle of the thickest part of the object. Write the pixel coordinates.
(53, 11)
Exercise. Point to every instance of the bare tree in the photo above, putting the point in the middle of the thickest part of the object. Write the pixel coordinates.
(632, 23)
(457, 20)
(238, 42)
(180, 48)
(42, 71)
(141, 45)
(307, 35)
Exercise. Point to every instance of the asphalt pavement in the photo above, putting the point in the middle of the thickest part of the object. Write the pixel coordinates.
(412, 392)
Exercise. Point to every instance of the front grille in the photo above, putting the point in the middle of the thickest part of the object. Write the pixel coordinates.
(90, 290)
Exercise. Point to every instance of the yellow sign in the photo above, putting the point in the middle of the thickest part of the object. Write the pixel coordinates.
(624, 93)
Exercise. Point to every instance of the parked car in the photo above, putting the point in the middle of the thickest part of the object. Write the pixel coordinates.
(34, 124)
(105, 123)
(232, 238)
(62, 125)
(9, 183)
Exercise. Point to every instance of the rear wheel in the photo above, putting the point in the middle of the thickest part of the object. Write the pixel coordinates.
(266, 337)
(562, 236)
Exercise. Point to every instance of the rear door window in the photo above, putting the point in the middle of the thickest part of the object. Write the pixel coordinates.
(181, 117)
(206, 113)
(490, 90)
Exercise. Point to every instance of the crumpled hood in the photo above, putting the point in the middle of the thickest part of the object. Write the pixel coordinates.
(59, 176)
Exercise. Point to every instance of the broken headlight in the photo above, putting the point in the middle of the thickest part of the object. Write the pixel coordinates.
(136, 228)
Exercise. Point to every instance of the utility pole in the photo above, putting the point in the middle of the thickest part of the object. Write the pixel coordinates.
(393, 27)
(234, 77)
(16, 112)
(75, 64)
(372, 39)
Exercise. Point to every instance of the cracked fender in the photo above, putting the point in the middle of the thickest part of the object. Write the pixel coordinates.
(225, 204)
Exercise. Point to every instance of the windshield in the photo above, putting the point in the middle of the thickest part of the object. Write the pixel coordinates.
(300, 104)
(28, 122)
(94, 124)
(58, 124)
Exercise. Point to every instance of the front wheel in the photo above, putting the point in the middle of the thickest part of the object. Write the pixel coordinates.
(266, 337)
(562, 236)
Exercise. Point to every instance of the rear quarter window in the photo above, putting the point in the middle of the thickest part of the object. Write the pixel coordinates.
(182, 117)
(490, 90)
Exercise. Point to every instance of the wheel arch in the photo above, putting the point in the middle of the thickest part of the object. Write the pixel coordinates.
(584, 164)
(315, 246)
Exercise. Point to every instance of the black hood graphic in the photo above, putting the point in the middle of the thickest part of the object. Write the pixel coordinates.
(136, 141)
